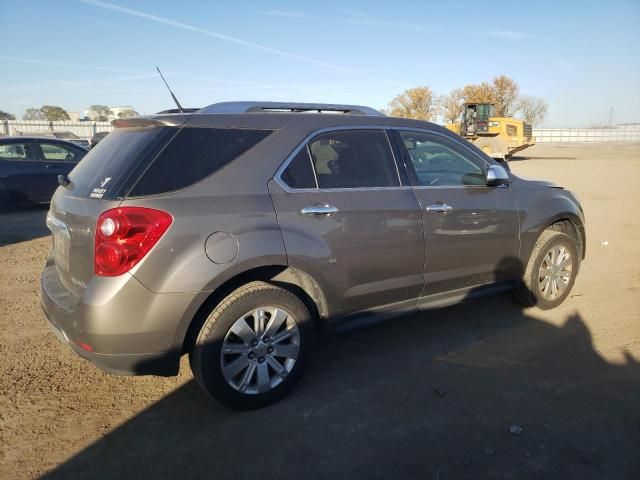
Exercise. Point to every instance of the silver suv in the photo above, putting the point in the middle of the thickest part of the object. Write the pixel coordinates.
(233, 232)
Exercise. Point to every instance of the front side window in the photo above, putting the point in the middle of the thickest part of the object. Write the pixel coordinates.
(57, 153)
(16, 151)
(437, 162)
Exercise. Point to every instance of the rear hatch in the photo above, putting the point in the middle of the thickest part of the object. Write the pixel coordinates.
(99, 182)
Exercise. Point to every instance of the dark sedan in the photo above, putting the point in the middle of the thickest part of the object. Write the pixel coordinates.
(29, 168)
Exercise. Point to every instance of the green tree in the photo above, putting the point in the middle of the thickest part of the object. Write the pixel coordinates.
(128, 113)
(33, 114)
(6, 116)
(100, 113)
(416, 103)
(54, 113)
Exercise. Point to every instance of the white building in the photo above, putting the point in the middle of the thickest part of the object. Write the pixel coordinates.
(119, 112)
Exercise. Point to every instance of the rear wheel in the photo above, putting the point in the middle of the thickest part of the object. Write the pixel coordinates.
(254, 346)
(550, 272)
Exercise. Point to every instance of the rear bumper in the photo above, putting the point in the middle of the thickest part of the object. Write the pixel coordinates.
(161, 364)
(118, 325)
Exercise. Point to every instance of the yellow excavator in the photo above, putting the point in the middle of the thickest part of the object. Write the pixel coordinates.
(498, 137)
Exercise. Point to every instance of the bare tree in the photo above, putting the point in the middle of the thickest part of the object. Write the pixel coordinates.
(502, 92)
(506, 92)
(532, 109)
(452, 105)
(482, 93)
(416, 103)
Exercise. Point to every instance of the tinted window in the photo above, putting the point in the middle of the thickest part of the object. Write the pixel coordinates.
(105, 168)
(353, 158)
(299, 173)
(58, 153)
(16, 151)
(438, 162)
(192, 155)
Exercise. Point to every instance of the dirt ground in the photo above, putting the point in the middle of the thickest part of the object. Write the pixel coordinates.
(429, 396)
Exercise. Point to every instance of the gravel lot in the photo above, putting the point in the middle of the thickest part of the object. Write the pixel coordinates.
(430, 396)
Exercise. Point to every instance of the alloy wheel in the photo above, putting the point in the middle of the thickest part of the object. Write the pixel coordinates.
(260, 350)
(555, 272)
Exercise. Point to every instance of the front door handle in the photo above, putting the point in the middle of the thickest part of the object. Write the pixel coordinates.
(326, 210)
(440, 208)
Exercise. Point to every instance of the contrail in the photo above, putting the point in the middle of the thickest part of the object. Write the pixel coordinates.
(221, 36)
(65, 64)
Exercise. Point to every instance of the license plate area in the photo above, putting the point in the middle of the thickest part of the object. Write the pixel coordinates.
(61, 241)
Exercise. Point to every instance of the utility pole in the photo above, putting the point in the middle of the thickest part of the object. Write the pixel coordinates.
(610, 117)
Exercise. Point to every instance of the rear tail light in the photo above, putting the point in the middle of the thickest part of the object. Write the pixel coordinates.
(125, 235)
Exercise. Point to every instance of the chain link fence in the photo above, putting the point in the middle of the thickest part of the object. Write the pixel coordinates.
(44, 127)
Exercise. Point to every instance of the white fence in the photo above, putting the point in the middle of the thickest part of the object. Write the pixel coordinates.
(621, 133)
(34, 127)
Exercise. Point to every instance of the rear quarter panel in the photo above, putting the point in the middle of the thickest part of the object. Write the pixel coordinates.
(235, 200)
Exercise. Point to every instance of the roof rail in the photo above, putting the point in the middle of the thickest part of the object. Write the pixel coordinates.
(253, 107)
(175, 110)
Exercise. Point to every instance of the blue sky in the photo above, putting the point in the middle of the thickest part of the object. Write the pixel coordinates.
(582, 57)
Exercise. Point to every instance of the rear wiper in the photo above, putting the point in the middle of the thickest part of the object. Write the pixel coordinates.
(63, 180)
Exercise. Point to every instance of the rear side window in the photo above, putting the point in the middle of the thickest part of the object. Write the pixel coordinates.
(193, 154)
(347, 159)
(58, 153)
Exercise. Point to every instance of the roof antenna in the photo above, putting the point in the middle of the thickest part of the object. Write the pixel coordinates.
(172, 95)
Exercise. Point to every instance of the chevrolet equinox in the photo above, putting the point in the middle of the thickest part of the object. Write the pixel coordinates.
(232, 232)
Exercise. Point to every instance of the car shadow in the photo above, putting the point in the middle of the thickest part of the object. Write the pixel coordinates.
(517, 158)
(22, 224)
(478, 390)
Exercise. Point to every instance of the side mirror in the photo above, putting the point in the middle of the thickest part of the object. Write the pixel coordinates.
(496, 176)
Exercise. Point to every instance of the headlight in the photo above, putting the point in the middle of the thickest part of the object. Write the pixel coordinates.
(494, 124)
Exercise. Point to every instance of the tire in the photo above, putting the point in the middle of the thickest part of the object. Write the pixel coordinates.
(257, 384)
(492, 146)
(535, 290)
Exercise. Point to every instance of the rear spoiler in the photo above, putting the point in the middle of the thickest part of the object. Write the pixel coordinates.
(169, 120)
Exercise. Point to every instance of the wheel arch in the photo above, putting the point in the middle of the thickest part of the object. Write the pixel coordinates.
(293, 279)
(565, 222)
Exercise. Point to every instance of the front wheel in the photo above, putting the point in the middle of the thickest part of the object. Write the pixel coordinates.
(253, 347)
(551, 271)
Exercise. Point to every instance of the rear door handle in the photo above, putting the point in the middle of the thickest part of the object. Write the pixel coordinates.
(326, 210)
(440, 208)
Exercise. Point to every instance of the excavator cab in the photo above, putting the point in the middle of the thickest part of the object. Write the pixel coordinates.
(475, 119)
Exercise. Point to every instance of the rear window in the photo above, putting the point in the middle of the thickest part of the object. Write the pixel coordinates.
(194, 154)
(152, 160)
(104, 171)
